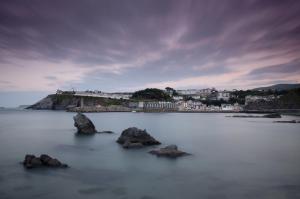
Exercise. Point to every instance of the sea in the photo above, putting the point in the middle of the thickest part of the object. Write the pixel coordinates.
(231, 158)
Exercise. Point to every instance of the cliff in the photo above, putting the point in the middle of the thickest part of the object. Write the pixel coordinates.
(69, 101)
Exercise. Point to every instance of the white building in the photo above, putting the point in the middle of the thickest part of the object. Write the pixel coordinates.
(141, 104)
(104, 95)
(196, 92)
(227, 107)
(177, 98)
(223, 95)
(161, 105)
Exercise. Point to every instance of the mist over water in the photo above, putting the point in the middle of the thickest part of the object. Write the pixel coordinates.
(232, 157)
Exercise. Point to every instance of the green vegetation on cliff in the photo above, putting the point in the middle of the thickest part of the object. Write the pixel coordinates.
(287, 100)
(64, 101)
(151, 94)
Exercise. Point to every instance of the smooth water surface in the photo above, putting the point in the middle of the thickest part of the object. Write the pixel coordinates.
(233, 158)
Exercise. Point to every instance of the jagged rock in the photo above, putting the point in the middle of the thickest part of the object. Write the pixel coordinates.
(169, 151)
(84, 124)
(136, 138)
(32, 161)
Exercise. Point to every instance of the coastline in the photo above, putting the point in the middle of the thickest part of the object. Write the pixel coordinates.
(291, 111)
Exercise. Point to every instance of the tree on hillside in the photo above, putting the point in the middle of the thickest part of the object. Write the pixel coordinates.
(171, 91)
(151, 94)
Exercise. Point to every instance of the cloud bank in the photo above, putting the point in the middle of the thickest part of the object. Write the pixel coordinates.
(115, 45)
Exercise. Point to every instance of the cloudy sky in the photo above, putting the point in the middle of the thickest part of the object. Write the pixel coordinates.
(117, 45)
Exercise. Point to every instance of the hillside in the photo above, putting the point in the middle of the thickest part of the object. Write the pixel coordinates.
(64, 101)
(151, 94)
(279, 87)
(290, 100)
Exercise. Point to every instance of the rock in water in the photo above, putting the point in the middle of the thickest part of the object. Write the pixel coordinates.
(272, 115)
(84, 124)
(106, 132)
(169, 151)
(31, 161)
(136, 138)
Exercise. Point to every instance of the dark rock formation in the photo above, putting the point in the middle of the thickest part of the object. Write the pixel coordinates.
(169, 151)
(287, 121)
(83, 124)
(45, 103)
(31, 161)
(136, 138)
(69, 101)
(106, 132)
(272, 115)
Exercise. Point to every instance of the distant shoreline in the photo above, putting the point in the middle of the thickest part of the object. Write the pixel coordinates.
(185, 111)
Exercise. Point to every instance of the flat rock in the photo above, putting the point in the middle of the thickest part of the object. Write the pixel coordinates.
(136, 138)
(107, 132)
(287, 121)
(170, 151)
(31, 161)
(272, 115)
(83, 124)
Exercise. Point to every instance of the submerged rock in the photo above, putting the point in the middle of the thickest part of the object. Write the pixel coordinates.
(287, 121)
(136, 138)
(32, 161)
(107, 132)
(83, 124)
(169, 151)
(272, 115)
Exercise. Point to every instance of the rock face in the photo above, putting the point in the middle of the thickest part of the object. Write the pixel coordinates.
(136, 138)
(32, 161)
(169, 151)
(83, 124)
(46, 103)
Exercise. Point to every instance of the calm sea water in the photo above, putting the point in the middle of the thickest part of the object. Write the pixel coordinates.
(232, 157)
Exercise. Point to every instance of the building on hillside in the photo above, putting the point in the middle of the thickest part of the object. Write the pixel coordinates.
(104, 95)
(223, 95)
(227, 107)
(177, 98)
(196, 92)
(59, 92)
(161, 105)
(255, 98)
(213, 96)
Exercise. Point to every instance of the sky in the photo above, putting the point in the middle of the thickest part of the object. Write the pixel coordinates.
(117, 45)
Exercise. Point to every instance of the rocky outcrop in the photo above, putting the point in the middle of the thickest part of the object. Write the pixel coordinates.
(272, 115)
(44, 160)
(45, 103)
(105, 132)
(74, 103)
(287, 121)
(169, 151)
(136, 138)
(83, 124)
